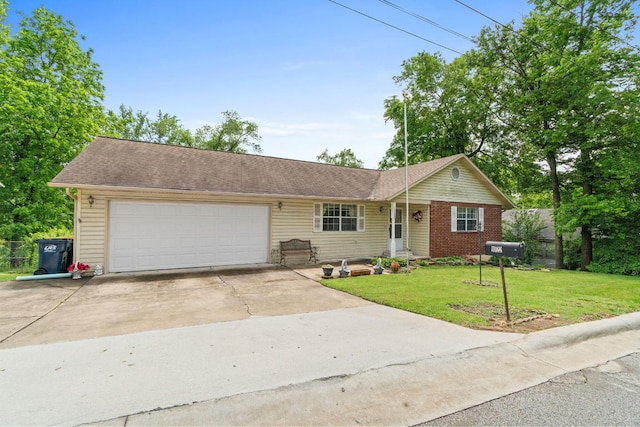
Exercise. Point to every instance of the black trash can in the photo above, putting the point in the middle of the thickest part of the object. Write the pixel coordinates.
(54, 255)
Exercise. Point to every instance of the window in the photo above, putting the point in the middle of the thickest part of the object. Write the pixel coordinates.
(338, 217)
(466, 219)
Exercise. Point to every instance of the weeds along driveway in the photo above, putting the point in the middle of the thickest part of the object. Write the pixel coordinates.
(45, 311)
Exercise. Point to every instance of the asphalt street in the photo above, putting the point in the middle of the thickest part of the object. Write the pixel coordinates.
(607, 394)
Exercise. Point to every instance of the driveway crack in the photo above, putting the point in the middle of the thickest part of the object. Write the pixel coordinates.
(43, 316)
(247, 307)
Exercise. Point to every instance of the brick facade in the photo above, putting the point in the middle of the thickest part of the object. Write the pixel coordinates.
(446, 243)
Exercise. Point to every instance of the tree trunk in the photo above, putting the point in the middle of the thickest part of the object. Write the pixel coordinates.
(586, 250)
(555, 186)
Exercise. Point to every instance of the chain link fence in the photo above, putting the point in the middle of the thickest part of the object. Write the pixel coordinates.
(18, 256)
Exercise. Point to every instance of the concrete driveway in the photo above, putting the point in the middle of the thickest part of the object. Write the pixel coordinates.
(54, 310)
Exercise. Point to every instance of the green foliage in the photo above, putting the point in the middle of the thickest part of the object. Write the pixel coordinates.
(232, 134)
(525, 226)
(451, 260)
(345, 157)
(50, 107)
(449, 111)
(559, 90)
(571, 253)
(22, 256)
(18, 257)
(386, 262)
(615, 259)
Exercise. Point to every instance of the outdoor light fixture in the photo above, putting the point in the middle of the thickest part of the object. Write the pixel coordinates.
(381, 207)
(280, 205)
(91, 200)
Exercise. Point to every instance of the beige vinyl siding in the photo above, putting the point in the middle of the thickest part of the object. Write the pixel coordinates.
(293, 220)
(90, 235)
(441, 186)
(419, 231)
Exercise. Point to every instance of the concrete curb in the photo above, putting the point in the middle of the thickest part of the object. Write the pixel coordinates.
(565, 336)
(412, 393)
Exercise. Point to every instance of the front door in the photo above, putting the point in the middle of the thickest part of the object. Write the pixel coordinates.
(397, 240)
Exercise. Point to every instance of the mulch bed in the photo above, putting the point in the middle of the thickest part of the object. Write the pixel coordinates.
(522, 320)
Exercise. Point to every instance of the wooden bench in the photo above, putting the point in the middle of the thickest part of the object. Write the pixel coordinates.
(297, 246)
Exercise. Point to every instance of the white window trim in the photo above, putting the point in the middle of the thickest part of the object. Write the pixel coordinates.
(317, 218)
(454, 220)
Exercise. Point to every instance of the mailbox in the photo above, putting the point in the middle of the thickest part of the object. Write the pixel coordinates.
(508, 249)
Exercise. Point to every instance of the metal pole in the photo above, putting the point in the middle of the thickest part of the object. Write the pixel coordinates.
(480, 249)
(504, 291)
(393, 230)
(406, 181)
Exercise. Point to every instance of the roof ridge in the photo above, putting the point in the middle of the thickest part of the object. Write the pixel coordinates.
(232, 152)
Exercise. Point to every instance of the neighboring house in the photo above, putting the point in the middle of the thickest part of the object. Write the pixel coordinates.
(546, 237)
(145, 206)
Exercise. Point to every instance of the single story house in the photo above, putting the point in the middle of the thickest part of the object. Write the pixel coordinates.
(146, 206)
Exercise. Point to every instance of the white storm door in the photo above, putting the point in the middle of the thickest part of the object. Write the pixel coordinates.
(397, 240)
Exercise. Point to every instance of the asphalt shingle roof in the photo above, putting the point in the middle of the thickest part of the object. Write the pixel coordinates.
(120, 163)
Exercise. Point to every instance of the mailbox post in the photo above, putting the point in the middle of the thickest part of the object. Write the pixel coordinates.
(502, 249)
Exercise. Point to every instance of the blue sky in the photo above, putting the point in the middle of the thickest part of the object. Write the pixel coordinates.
(311, 73)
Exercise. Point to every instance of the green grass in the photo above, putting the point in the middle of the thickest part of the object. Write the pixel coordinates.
(9, 276)
(433, 290)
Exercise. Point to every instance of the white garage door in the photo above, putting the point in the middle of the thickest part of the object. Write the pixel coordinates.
(155, 236)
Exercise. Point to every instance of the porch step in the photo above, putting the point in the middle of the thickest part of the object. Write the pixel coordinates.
(399, 254)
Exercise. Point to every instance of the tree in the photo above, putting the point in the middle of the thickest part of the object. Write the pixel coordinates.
(137, 126)
(570, 94)
(233, 134)
(559, 91)
(50, 107)
(450, 109)
(345, 157)
(524, 226)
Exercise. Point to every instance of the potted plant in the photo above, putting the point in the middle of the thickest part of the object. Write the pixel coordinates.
(77, 268)
(395, 266)
(327, 270)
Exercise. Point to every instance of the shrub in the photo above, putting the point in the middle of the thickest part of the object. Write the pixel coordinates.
(386, 262)
(612, 258)
(525, 226)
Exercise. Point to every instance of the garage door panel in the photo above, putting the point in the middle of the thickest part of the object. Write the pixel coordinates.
(149, 235)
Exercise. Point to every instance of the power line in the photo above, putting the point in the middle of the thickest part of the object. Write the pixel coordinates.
(428, 21)
(480, 13)
(397, 28)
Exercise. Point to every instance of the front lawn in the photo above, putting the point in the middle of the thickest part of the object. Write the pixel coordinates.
(545, 298)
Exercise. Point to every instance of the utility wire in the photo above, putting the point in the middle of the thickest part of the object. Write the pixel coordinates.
(427, 20)
(396, 28)
(480, 13)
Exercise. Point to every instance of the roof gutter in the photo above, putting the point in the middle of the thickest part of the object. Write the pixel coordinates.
(206, 193)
